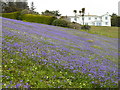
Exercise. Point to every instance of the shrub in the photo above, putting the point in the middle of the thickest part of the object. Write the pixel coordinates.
(26, 11)
(65, 23)
(85, 27)
(60, 22)
(38, 18)
(14, 15)
(74, 25)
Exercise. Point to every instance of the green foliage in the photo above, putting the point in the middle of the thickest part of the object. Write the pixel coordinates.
(114, 20)
(26, 11)
(91, 41)
(74, 25)
(19, 68)
(85, 27)
(65, 23)
(32, 6)
(44, 77)
(13, 6)
(118, 18)
(51, 13)
(38, 18)
(83, 10)
(75, 11)
(97, 47)
(60, 22)
(14, 15)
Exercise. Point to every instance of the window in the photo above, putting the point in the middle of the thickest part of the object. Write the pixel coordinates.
(106, 23)
(89, 18)
(106, 18)
(93, 23)
(99, 24)
(95, 18)
(75, 19)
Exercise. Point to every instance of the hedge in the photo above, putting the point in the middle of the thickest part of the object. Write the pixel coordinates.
(38, 18)
(13, 15)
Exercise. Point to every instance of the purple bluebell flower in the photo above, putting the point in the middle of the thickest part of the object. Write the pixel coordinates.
(59, 46)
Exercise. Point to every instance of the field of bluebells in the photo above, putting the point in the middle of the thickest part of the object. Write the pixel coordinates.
(45, 56)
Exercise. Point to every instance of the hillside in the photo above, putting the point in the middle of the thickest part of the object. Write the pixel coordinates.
(41, 56)
(105, 31)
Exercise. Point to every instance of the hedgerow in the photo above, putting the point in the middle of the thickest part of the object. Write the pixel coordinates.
(38, 18)
(14, 15)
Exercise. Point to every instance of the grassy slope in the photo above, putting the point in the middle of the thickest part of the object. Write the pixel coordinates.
(40, 75)
(103, 30)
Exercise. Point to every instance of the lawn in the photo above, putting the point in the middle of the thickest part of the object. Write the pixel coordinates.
(45, 56)
(105, 31)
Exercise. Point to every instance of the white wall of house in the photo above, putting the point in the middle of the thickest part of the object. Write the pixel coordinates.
(104, 20)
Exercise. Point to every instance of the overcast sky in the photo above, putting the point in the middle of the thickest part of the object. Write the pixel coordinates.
(66, 7)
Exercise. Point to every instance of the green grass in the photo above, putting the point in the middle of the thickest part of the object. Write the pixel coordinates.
(104, 30)
(41, 75)
(97, 47)
(22, 69)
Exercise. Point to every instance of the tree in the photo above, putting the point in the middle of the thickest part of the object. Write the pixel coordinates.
(118, 19)
(8, 6)
(2, 6)
(22, 4)
(80, 12)
(32, 7)
(56, 13)
(114, 20)
(75, 11)
(13, 5)
(83, 13)
(51, 13)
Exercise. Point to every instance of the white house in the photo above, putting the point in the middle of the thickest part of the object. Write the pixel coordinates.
(104, 20)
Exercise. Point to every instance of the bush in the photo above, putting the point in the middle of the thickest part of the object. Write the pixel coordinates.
(60, 22)
(38, 18)
(14, 15)
(85, 27)
(65, 23)
(26, 11)
(74, 25)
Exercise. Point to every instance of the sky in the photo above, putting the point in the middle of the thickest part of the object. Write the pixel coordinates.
(66, 7)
